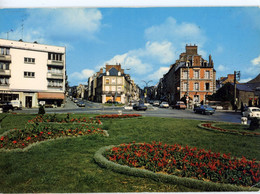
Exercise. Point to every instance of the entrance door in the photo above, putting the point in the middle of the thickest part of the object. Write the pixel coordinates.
(28, 101)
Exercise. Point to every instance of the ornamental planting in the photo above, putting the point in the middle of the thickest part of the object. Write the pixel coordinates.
(114, 116)
(187, 162)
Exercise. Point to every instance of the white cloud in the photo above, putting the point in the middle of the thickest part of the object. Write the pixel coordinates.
(222, 68)
(245, 80)
(256, 61)
(62, 25)
(177, 33)
(158, 74)
(83, 75)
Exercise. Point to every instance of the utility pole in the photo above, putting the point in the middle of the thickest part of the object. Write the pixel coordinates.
(236, 75)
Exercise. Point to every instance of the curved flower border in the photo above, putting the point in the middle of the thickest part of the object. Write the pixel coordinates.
(116, 116)
(187, 182)
(212, 127)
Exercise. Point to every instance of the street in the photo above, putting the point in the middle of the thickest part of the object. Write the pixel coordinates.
(97, 108)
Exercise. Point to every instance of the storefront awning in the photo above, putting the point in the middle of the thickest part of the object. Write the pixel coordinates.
(49, 95)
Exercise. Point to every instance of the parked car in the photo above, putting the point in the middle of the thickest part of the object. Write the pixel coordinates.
(6, 106)
(139, 106)
(204, 109)
(252, 112)
(156, 103)
(180, 105)
(81, 104)
(17, 104)
(164, 105)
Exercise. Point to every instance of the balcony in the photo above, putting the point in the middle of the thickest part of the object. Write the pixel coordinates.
(5, 57)
(5, 72)
(56, 63)
(54, 75)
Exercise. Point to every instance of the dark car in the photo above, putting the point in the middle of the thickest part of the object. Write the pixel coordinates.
(6, 106)
(139, 106)
(81, 104)
(179, 105)
(204, 109)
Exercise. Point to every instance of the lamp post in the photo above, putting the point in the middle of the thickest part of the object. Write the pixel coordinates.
(236, 77)
(188, 84)
(146, 82)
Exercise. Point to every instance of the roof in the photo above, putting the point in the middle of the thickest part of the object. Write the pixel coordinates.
(113, 72)
(255, 80)
(244, 87)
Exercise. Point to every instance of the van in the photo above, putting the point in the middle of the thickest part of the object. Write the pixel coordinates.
(17, 104)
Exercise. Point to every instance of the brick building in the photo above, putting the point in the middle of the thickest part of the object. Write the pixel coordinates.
(190, 76)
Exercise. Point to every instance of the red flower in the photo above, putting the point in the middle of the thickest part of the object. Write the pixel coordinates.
(14, 142)
(49, 133)
(28, 138)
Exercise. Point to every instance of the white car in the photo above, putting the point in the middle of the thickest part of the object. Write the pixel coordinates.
(164, 105)
(156, 103)
(252, 112)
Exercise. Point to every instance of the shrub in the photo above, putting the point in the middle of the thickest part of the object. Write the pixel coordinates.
(255, 124)
(41, 110)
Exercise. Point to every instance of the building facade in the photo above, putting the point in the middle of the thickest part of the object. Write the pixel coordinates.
(32, 73)
(112, 85)
(191, 78)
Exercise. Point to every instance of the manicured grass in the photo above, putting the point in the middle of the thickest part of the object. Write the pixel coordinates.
(67, 165)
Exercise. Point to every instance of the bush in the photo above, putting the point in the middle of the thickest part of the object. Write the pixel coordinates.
(41, 110)
(255, 124)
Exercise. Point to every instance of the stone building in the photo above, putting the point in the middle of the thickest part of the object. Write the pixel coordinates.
(112, 85)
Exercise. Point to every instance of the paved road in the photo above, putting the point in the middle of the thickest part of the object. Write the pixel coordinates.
(98, 108)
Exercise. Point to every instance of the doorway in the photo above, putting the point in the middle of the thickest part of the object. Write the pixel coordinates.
(28, 101)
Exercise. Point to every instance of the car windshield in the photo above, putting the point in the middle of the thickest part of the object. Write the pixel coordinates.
(256, 110)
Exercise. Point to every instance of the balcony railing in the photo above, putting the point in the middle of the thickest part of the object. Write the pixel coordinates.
(5, 72)
(5, 57)
(56, 63)
(51, 75)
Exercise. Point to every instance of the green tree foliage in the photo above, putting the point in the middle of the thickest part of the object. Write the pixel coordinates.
(223, 94)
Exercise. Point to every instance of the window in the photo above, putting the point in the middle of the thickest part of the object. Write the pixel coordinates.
(119, 80)
(4, 81)
(119, 88)
(4, 51)
(107, 88)
(4, 66)
(185, 86)
(207, 86)
(107, 80)
(196, 74)
(55, 83)
(29, 74)
(185, 74)
(29, 60)
(55, 56)
(55, 70)
(196, 99)
(207, 74)
(113, 80)
(196, 86)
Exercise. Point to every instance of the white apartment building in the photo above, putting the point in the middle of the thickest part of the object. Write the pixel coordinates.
(32, 73)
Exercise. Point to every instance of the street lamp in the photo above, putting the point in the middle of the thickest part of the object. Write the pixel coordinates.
(188, 84)
(146, 82)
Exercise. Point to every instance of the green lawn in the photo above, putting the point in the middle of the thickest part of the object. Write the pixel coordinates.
(67, 165)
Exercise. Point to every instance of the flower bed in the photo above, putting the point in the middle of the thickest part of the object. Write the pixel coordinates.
(211, 126)
(114, 116)
(50, 118)
(187, 162)
(21, 138)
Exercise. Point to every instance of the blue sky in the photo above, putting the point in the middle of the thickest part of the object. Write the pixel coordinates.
(145, 40)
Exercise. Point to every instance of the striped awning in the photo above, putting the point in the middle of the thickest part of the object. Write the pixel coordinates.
(49, 95)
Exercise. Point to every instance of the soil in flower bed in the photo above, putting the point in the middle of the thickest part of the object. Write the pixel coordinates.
(21, 138)
(187, 162)
(230, 128)
(114, 116)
